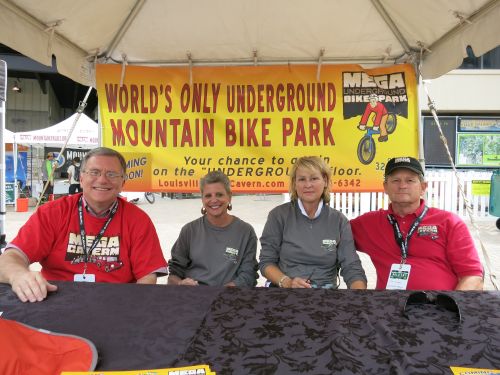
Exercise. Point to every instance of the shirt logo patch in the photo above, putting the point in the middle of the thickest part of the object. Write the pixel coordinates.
(231, 254)
(106, 254)
(329, 245)
(428, 230)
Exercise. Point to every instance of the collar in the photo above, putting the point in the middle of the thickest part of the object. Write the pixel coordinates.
(417, 212)
(102, 214)
(303, 210)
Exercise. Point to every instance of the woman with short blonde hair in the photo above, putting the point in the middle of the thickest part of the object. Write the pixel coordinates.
(311, 163)
(305, 242)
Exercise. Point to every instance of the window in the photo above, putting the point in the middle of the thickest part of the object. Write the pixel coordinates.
(490, 60)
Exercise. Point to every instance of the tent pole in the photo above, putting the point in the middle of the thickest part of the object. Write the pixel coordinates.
(418, 71)
(3, 98)
(15, 162)
(31, 170)
(421, 154)
(99, 127)
(79, 112)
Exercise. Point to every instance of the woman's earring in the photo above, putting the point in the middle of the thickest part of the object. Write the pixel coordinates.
(203, 211)
(229, 206)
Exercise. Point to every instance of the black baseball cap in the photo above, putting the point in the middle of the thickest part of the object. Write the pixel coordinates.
(403, 162)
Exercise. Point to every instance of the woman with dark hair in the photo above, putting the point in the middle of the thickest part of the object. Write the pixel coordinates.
(305, 242)
(217, 248)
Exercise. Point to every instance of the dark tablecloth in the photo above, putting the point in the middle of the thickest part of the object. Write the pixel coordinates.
(268, 331)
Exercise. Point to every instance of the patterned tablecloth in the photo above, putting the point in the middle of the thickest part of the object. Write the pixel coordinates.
(269, 331)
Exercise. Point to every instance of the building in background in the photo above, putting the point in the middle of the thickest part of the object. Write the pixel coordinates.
(38, 96)
(468, 105)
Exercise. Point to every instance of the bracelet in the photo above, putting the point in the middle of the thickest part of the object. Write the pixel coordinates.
(283, 278)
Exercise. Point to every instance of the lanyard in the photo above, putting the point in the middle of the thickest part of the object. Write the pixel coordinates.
(403, 242)
(87, 254)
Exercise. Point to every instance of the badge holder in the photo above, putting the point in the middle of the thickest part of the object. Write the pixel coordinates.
(84, 277)
(399, 276)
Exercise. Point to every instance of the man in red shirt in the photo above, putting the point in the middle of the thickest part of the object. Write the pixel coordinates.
(413, 246)
(92, 237)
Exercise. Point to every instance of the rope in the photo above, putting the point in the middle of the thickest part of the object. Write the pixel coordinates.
(51, 29)
(320, 61)
(190, 61)
(468, 206)
(79, 112)
(124, 66)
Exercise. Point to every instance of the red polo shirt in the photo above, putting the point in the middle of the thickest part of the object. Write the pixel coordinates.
(440, 251)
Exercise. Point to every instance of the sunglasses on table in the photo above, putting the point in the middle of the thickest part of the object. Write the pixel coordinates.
(441, 300)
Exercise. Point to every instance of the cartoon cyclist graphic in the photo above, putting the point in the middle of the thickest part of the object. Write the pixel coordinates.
(380, 120)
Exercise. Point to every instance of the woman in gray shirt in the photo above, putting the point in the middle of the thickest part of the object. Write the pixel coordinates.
(305, 242)
(218, 248)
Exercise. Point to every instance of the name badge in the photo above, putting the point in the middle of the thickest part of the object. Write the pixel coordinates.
(398, 276)
(81, 278)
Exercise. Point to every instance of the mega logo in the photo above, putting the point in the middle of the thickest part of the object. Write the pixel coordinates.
(390, 89)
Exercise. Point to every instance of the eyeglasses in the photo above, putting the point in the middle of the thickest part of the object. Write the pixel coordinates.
(441, 300)
(109, 174)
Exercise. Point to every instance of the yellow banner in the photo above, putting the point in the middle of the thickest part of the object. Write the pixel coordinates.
(174, 125)
(473, 371)
(189, 370)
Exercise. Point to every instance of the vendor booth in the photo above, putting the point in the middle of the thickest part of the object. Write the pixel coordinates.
(84, 137)
(16, 168)
(248, 86)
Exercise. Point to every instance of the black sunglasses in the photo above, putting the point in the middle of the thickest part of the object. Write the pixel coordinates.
(442, 300)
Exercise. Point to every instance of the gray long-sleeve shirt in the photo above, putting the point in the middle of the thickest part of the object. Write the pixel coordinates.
(216, 256)
(300, 246)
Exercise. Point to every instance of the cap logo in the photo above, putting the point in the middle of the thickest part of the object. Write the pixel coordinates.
(402, 160)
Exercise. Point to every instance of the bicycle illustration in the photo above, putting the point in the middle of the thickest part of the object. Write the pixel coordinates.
(366, 146)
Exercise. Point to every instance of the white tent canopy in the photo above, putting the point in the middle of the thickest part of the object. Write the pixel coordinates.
(85, 134)
(183, 32)
(8, 136)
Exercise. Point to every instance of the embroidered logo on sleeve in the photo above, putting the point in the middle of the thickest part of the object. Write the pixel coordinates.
(329, 245)
(231, 254)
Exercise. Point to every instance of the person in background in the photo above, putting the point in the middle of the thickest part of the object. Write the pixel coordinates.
(305, 242)
(93, 236)
(217, 248)
(74, 176)
(48, 167)
(413, 246)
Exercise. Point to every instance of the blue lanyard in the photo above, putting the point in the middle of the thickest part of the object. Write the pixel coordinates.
(403, 242)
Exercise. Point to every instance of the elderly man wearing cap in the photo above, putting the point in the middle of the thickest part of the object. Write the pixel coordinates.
(413, 246)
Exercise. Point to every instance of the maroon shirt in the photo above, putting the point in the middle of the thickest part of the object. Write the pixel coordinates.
(440, 251)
